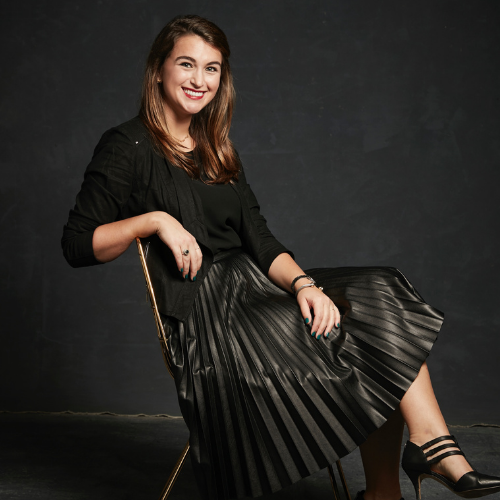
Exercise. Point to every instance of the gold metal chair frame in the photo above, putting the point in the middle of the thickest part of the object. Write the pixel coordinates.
(166, 357)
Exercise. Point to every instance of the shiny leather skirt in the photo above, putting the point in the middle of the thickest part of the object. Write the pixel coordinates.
(265, 402)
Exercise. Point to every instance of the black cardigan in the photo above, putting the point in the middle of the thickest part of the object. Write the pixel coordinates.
(126, 177)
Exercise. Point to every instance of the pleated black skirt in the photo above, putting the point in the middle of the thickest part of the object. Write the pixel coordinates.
(266, 403)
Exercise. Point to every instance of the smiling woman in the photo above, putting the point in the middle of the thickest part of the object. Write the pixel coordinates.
(189, 83)
(188, 98)
(276, 377)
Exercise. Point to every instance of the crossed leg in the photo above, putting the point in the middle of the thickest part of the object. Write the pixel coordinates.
(381, 451)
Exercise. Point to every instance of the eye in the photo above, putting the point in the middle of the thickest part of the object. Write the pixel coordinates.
(212, 69)
(186, 64)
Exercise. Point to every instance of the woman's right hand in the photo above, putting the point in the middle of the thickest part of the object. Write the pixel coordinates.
(112, 239)
(173, 234)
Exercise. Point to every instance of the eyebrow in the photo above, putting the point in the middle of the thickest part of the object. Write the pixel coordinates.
(194, 60)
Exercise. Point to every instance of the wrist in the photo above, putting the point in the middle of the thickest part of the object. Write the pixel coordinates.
(300, 282)
(303, 287)
(154, 222)
(309, 286)
(143, 225)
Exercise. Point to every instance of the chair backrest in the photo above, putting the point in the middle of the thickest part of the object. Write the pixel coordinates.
(152, 300)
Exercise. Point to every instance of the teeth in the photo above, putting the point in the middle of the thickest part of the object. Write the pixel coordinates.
(193, 93)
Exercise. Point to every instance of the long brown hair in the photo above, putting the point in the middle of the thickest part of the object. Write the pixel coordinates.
(210, 127)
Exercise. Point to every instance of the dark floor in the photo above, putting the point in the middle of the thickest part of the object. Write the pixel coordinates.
(70, 457)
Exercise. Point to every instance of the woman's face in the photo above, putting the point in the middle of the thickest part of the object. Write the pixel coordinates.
(190, 76)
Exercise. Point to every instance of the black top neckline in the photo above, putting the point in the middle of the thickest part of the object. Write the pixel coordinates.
(222, 212)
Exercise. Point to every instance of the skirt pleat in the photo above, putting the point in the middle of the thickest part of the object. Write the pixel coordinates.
(265, 402)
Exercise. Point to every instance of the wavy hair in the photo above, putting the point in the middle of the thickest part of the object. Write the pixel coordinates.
(210, 127)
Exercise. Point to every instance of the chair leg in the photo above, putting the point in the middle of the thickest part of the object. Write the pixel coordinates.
(342, 480)
(175, 472)
(336, 494)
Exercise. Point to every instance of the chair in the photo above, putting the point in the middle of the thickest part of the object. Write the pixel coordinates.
(166, 356)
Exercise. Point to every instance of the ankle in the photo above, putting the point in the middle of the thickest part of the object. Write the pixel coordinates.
(452, 466)
(425, 435)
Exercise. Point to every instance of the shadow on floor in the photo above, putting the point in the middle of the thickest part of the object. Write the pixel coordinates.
(76, 457)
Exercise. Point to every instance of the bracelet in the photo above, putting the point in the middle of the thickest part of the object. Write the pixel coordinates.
(303, 286)
(298, 278)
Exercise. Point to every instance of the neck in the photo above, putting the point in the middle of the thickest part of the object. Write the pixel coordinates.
(178, 126)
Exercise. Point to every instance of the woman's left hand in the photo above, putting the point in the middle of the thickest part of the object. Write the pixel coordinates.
(325, 313)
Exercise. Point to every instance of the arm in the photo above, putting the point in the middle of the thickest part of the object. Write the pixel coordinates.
(94, 234)
(268, 247)
(326, 315)
(111, 240)
(281, 268)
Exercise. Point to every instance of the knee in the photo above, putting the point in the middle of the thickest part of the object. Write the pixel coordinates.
(391, 276)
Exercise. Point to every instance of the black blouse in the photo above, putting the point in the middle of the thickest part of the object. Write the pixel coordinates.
(222, 212)
(127, 177)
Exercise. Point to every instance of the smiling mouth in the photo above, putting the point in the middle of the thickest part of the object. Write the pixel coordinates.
(193, 94)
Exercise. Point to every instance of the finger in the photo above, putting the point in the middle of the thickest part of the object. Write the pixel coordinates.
(191, 265)
(178, 260)
(331, 321)
(304, 309)
(186, 261)
(196, 256)
(196, 262)
(324, 321)
(337, 317)
(319, 312)
(194, 265)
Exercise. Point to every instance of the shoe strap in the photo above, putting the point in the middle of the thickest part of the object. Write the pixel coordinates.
(435, 460)
(437, 449)
(438, 440)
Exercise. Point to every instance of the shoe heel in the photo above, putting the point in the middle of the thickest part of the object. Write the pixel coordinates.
(414, 476)
(417, 465)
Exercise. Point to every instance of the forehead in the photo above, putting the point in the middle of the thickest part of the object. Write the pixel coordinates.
(195, 47)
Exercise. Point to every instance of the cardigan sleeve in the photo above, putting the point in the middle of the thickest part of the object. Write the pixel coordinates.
(105, 190)
(269, 247)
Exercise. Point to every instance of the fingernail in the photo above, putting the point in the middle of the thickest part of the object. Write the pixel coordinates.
(338, 325)
(197, 273)
(318, 337)
(185, 276)
(182, 269)
(327, 334)
(313, 334)
(306, 321)
(194, 278)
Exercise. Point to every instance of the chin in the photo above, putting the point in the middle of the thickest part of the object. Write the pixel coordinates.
(193, 110)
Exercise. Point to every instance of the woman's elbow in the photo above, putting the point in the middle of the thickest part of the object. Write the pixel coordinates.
(77, 249)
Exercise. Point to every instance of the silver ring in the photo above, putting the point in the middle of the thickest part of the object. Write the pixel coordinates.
(185, 252)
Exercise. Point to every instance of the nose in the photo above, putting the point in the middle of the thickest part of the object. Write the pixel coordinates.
(198, 78)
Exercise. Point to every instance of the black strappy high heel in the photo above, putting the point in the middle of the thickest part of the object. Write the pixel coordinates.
(417, 466)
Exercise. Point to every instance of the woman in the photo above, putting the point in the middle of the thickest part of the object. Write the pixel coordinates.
(279, 371)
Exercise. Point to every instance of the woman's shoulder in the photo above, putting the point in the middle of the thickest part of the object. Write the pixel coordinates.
(132, 131)
(126, 145)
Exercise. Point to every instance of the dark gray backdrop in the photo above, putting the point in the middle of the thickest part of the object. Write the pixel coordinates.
(369, 131)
